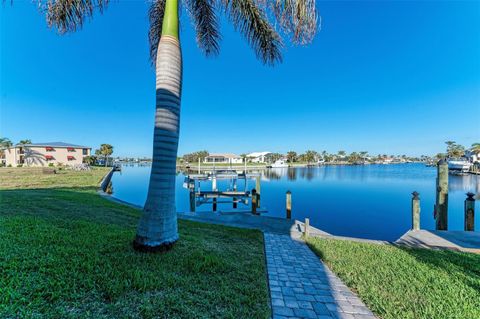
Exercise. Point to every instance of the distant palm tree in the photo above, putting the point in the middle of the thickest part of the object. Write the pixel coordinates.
(476, 147)
(310, 156)
(157, 229)
(291, 156)
(105, 151)
(5, 142)
(27, 141)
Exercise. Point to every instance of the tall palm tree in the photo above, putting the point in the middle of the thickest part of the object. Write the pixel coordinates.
(298, 21)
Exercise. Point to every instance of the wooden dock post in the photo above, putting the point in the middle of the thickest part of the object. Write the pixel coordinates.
(254, 201)
(289, 204)
(234, 201)
(257, 188)
(307, 227)
(470, 212)
(441, 203)
(192, 200)
(214, 205)
(415, 210)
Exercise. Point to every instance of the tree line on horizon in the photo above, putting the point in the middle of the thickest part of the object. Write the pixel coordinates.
(310, 156)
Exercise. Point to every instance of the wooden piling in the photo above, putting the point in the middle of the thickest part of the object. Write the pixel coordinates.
(289, 204)
(257, 188)
(192, 200)
(307, 227)
(415, 211)
(235, 202)
(470, 212)
(441, 203)
(254, 201)
(214, 205)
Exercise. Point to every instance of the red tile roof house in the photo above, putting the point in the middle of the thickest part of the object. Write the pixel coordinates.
(42, 154)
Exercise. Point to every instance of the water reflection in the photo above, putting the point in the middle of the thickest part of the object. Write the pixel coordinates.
(371, 201)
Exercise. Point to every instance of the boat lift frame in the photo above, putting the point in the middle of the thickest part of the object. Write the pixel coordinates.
(214, 196)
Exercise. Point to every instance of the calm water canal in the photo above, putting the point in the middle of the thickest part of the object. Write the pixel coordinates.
(368, 201)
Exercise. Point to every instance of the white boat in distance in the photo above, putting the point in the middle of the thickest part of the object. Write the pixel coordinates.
(459, 165)
(280, 164)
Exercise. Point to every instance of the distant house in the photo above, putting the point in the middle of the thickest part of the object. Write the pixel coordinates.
(258, 157)
(223, 158)
(42, 154)
(472, 155)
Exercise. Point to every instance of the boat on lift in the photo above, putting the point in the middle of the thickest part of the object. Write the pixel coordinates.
(459, 165)
(280, 164)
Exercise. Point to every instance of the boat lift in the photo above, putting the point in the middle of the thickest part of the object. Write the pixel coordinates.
(232, 195)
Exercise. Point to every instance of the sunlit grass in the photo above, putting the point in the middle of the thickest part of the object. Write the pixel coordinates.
(406, 283)
(66, 253)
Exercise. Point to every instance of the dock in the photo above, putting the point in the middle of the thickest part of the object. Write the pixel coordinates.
(466, 241)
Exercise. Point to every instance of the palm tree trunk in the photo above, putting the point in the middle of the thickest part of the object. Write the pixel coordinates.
(157, 229)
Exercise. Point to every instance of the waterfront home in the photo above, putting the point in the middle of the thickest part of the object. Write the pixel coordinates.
(473, 155)
(258, 157)
(224, 158)
(44, 154)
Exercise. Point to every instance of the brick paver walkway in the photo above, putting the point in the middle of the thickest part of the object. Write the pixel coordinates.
(301, 286)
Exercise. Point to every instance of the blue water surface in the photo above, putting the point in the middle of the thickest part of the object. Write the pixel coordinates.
(366, 201)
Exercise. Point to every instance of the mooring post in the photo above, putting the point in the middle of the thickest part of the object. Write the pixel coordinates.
(214, 204)
(199, 165)
(307, 227)
(470, 212)
(235, 189)
(257, 188)
(415, 210)
(192, 197)
(254, 201)
(441, 203)
(289, 205)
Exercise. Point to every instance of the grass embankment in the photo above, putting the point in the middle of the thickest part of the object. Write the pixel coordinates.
(65, 252)
(397, 282)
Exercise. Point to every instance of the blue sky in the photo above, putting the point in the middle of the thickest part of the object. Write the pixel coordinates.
(386, 77)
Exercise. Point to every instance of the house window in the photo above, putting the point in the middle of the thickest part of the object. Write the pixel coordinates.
(49, 149)
(70, 158)
(70, 149)
(48, 157)
(85, 151)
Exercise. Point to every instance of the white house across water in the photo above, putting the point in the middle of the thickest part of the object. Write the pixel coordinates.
(258, 157)
(43, 154)
(226, 158)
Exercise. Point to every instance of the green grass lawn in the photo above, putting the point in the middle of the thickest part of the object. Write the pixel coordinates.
(65, 252)
(406, 283)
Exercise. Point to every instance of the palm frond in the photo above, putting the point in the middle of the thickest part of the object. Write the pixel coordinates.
(206, 25)
(251, 21)
(69, 15)
(298, 18)
(155, 15)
